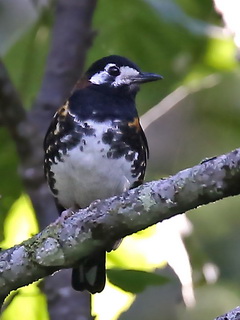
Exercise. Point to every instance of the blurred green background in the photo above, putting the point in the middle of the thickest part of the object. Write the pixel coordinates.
(183, 40)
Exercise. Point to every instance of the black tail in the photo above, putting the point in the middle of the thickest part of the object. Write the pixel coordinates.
(91, 274)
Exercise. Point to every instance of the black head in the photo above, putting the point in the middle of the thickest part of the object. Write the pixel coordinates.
(118, 72)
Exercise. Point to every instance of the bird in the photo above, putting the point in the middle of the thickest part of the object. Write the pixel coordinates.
(95, 148)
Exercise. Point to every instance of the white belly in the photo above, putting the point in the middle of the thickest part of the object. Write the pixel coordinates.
(84, 176)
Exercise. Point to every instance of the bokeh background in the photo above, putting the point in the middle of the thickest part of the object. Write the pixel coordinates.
(187, 267)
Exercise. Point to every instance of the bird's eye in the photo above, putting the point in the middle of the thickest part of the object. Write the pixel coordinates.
(114, 71)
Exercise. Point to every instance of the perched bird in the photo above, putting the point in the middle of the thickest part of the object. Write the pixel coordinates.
(95, 148)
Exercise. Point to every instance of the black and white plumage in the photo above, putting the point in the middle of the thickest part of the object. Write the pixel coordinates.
(95, 147)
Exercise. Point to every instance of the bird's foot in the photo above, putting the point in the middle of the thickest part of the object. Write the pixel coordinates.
(64, 215)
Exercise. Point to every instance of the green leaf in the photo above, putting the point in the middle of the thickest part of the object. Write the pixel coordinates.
(134, 281)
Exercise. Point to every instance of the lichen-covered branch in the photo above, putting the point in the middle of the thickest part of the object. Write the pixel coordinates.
(233, 314)
(75, 236)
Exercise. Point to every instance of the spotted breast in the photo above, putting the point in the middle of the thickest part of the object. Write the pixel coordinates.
(89, 160)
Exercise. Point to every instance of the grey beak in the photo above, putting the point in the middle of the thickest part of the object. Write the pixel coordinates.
(146, 77)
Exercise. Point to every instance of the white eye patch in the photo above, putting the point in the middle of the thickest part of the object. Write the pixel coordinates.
(124, 78)
(102, 76)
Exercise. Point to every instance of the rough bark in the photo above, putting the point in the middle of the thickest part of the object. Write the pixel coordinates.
(77, 235)
(233, 314)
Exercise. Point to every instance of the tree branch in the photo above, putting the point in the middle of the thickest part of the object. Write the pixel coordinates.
(28, 142)
(71, 39)
(233, 314)
(76, 236)
(12, 111)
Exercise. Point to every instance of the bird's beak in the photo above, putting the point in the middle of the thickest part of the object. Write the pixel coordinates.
(146, 77)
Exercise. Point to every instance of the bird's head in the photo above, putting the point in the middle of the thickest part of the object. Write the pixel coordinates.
(117, 72)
